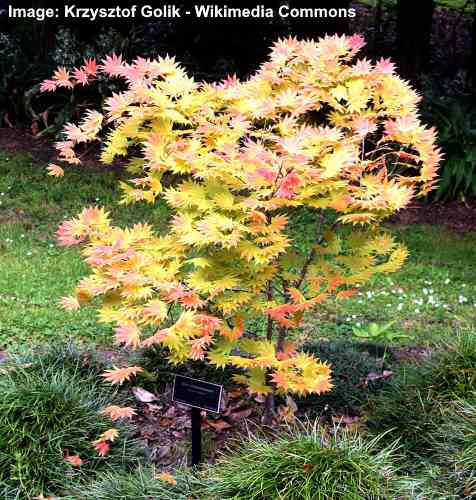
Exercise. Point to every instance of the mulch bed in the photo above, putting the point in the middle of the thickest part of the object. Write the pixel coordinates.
(458, 216)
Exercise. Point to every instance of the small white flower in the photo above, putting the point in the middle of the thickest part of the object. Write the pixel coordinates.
(347, 319)
(354, 316)
(22, 236)
(447, 280)
(357, 325)
(417, 311)
(28, 253)
(425, 291)
(400, 307)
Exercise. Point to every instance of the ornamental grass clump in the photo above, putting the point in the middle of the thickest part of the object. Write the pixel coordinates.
(48, 420)
(143, 483)
(312, 465)
(315, 128)
(455, 445)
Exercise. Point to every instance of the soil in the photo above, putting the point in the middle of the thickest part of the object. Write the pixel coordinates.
(459, 217)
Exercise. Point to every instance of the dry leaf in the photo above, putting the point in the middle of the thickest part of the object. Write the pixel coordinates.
(167, 477)
(143, 396)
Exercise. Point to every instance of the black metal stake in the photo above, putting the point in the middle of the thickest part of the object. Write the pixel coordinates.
(196, 436)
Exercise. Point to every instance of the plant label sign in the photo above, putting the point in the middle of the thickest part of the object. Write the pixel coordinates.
(197, 393)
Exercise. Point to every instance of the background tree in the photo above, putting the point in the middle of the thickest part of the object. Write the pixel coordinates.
(414, 22)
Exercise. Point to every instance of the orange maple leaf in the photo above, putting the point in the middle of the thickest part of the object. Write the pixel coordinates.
(102, 447)
(55, 170)
(128, 335)
(120, 375)
(74, 460)
(109, 435)
(116, 412)
(166, 477)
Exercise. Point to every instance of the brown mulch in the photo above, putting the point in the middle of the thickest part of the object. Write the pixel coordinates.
(458, 216)
(21, 141)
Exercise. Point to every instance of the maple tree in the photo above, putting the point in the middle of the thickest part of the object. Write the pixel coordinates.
(316, 128)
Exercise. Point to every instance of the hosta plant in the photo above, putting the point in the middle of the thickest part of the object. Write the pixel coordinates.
(314, 128)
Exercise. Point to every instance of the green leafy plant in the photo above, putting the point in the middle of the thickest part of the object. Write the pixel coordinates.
(455, 120)
(48, 420)
(379, 333)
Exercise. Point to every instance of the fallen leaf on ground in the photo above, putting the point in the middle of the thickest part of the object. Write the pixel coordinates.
(74, 460)
(167, 477)
(219, 425)
(143, 396)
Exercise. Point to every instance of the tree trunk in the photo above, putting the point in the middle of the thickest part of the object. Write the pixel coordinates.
(414, 23)
(472, 60)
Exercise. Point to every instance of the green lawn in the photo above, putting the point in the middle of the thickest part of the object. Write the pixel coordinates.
(432, 297)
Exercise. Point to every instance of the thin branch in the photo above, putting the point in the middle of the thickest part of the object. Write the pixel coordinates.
(312, 253)
(269, 327)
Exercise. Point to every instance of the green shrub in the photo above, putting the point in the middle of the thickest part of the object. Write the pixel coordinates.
(138, 485)
(68, 356)
(455, 120)
(306, 465)
(351, 364)
(47, 411)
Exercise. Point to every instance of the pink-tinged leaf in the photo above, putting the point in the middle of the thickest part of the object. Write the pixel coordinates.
(66, 234)
(74, 460)
(219, 425)
(70, 303)
(102, 448)
(48, 86)
(81, 76)
(356, 42)
(62, 78)
(90, 66)
(385, 66)
(55, 170)
(128, 335)
(112, 65)
(287, 188)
